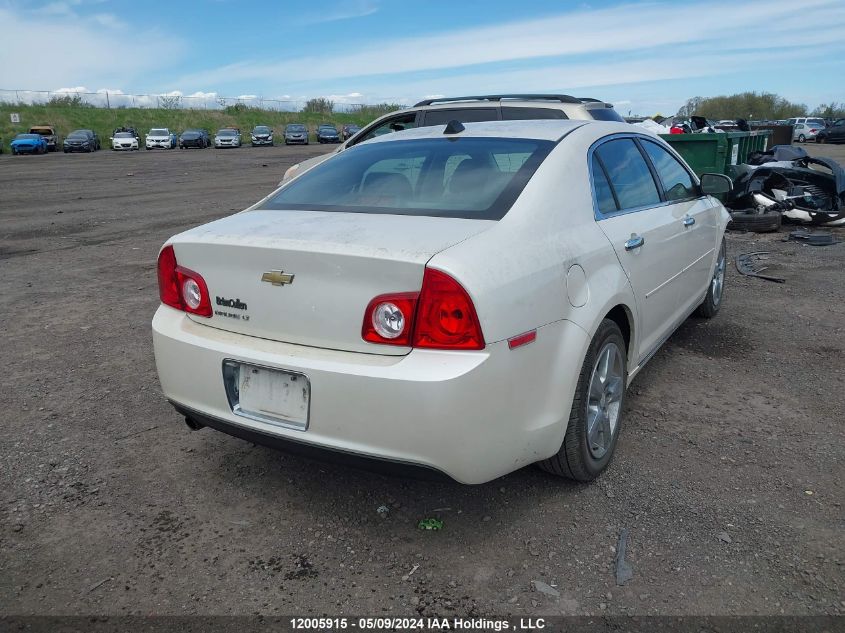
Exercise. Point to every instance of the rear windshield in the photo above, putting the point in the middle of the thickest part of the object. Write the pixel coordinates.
(474, 178)
(606, 114)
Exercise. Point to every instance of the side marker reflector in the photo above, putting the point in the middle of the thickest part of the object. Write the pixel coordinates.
(522, 339)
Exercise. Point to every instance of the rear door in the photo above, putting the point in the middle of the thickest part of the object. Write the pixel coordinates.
(646, 234)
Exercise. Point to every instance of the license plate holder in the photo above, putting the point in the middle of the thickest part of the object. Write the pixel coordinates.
(267, 394)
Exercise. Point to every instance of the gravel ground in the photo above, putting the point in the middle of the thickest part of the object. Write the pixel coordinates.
(728, 475)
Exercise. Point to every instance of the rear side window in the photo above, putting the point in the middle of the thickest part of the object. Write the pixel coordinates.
(604, 194)
(531, 114)
(605, 114)
(474, 178)
(394, 124)
(628, 173)
(464, 115)
(676, 180)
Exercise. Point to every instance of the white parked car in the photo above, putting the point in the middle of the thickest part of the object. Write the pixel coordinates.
(124, 141)
(227, 137)
(803, 132)
(468, 299)
(160, 138)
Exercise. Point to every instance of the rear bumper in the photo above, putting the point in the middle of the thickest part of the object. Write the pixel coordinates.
(472, 415)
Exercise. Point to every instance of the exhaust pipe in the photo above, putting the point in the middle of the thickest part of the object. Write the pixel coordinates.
(193, 424)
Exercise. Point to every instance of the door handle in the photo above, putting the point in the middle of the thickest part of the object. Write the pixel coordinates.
(689, 221)
(634, 243)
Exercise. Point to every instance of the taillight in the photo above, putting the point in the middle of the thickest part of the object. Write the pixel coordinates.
(440, 316)
(446, 318)
(180, 287)
(389, 318)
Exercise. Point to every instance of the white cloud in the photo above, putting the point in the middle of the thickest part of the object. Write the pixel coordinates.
(77, 49)
(343, 11)
(619, 30)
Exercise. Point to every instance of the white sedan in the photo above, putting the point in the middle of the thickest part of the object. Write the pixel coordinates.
(464, 299)
(124, 141)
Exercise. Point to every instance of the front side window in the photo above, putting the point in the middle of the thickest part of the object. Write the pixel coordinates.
(474, 178)
(628, 173)
(676, 180)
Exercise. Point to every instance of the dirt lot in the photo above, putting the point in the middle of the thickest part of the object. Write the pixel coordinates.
(729, 474)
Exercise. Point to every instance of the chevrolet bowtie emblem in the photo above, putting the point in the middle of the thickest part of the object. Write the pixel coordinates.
(277, 277)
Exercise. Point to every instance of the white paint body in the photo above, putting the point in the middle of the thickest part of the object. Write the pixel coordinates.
(547, 265)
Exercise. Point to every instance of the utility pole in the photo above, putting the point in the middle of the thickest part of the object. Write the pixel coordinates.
(108, 105)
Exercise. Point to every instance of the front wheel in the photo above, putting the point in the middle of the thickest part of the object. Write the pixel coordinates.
(821, 139)
(596, 415)
(716, 290)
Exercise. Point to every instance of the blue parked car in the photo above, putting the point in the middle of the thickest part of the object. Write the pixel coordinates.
(29, 144)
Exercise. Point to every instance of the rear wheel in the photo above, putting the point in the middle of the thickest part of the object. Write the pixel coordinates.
(802, 138)
(713, 299)
(596, 415)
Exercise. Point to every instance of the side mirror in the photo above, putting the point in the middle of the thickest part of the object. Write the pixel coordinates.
(712, 184)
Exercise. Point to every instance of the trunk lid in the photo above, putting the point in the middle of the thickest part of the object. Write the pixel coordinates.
(339, 263)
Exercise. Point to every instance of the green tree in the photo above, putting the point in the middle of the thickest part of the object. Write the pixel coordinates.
(319, 105)
(832, 110)
(745, 105)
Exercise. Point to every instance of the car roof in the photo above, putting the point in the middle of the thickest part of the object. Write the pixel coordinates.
(546, 130)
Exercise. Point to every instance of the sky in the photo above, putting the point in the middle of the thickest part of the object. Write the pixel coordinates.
(645, 57)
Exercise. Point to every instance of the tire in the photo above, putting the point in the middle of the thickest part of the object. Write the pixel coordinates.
(579, 458)
(821, 139)
(802, 138)
(716, 290)
(754, 222)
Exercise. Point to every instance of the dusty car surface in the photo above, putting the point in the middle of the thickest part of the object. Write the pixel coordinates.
(500, 107)
(465, 299)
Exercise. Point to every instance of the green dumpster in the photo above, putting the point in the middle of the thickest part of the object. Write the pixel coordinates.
(717, 153)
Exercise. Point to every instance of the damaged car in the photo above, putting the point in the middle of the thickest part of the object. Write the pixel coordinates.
(786, 182)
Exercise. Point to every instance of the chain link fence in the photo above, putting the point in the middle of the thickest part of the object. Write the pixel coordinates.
(172, 101)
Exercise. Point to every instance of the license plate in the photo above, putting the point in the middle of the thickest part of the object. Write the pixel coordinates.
(273, 396)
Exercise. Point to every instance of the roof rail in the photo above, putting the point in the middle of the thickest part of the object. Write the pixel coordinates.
(522, 97)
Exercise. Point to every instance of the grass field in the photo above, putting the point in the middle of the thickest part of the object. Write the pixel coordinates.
(104, 121)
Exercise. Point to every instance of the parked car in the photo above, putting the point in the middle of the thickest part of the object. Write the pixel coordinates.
(81, 141)
(508, 107)
(194, 138)
(29, 144)
(50, 135)
(349, 130)
(296, 134)
(227, 137)
(261, 135)
(131, 131)
(327, 133)
(125, 141)
(397, 342)
(803, 132)
(818, 121)
(160, 138)
(833, 134)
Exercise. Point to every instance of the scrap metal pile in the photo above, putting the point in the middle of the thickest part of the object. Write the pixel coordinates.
(784, 182)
